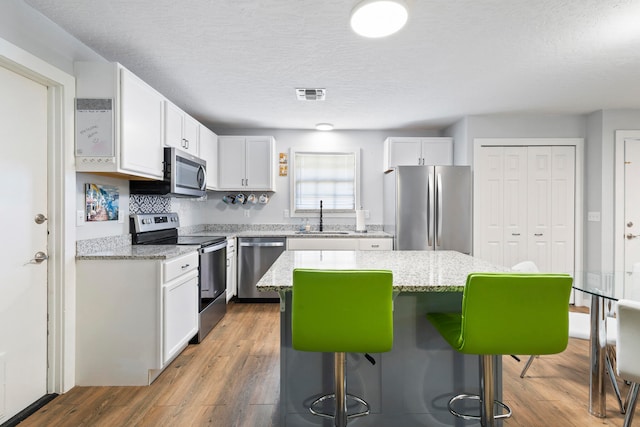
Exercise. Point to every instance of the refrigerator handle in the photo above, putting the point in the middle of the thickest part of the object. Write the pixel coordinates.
(439, 209)
(430, 211)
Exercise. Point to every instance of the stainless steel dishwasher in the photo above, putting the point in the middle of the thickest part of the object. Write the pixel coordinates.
(255, 256)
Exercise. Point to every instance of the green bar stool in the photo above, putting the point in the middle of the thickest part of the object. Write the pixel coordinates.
(342, 311)
(506, 314)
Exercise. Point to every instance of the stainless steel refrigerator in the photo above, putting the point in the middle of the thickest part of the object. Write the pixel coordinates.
(428, 207)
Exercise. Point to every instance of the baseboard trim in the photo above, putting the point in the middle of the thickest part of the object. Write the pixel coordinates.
(31, 409)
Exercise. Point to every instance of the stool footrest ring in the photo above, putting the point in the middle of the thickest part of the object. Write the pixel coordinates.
(476, 417)
(333, 396)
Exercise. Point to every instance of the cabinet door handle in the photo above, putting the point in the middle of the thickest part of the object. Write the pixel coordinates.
(375, 246)
(185, 266)
(515, 234)
(246, 182)
(538, 234)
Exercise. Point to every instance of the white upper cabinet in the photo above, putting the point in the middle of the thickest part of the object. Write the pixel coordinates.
(209, 153)
(402, 151)
(119, 122)
(246, 163)
(181, 130)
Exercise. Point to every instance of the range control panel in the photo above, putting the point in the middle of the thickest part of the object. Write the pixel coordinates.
(155, 221)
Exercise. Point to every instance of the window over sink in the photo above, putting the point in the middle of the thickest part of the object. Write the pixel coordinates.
(332, 177)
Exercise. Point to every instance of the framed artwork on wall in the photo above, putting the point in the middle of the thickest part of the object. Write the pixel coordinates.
(101, 202)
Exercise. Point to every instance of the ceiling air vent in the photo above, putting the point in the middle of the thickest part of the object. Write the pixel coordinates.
(311, 94)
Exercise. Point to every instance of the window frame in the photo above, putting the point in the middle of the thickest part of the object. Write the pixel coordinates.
(325, 212)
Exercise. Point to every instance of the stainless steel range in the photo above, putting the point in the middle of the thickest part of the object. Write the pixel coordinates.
(162, 229)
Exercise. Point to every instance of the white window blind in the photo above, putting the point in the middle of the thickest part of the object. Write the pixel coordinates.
(330, 177)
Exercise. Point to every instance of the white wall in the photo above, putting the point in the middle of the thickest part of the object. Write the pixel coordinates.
(462, 154)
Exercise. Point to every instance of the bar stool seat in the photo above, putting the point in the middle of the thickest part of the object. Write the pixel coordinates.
(505, 314)
(340, 311)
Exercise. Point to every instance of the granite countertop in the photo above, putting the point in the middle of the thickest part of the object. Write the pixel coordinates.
(413, 271)
(291, 233)
(120, 247)
(139, 252)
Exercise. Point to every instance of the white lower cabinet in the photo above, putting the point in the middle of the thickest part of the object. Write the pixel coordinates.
(339, 244)
(180, 319)
(133, 317)
(382, 244)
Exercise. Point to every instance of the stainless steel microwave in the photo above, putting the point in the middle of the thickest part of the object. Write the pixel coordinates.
(185, 175)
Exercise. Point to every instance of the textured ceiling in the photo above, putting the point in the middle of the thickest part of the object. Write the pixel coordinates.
(236, 63)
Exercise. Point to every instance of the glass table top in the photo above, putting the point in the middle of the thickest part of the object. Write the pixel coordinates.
(612, 285)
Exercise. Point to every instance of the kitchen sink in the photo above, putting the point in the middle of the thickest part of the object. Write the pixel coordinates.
(322, 232)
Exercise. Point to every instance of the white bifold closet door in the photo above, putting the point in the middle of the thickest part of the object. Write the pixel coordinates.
(526, 206)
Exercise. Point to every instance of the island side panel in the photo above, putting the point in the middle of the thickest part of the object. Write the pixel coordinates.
(409, 385)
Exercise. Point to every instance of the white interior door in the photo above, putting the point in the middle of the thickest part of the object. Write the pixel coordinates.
(23, 288)
(632, 218)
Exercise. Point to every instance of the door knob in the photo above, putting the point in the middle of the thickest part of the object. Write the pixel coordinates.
(38, 258)
(39, 219)
(632, 236)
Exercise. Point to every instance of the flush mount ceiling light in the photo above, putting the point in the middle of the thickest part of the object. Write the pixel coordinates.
(378, 18)
(324, 126)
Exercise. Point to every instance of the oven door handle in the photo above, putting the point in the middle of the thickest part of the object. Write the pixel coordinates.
(213, 248)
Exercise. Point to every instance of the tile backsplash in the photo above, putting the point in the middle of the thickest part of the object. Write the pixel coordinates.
(143, 203)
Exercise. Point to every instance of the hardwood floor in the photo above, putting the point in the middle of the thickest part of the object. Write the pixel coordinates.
(232, 379)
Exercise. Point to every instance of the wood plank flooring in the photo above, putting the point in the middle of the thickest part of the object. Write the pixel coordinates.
(232, 379)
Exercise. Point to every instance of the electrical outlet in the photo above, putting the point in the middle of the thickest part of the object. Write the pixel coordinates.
(593, 216)
(247, 213)
(285, 213)
(366, 214)
(79, 218)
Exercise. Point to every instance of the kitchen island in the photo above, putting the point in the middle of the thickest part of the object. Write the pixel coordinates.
(411, 384)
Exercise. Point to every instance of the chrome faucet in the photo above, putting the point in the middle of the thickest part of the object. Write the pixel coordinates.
(320, 215)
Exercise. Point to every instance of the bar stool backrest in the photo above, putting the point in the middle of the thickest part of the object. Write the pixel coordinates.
(342, 311)
(515, 313)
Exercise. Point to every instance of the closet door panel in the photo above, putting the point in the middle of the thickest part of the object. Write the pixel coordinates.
(515, 205)
(562, 208)
(539, 206)
(490, 204)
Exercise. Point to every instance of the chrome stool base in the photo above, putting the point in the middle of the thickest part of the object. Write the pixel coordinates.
(321, 399)
(476, 417)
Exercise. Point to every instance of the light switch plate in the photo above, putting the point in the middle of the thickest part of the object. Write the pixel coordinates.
(593, 216)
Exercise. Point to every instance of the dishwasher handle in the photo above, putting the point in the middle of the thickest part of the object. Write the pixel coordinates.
(262, 244)
(213, 248)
